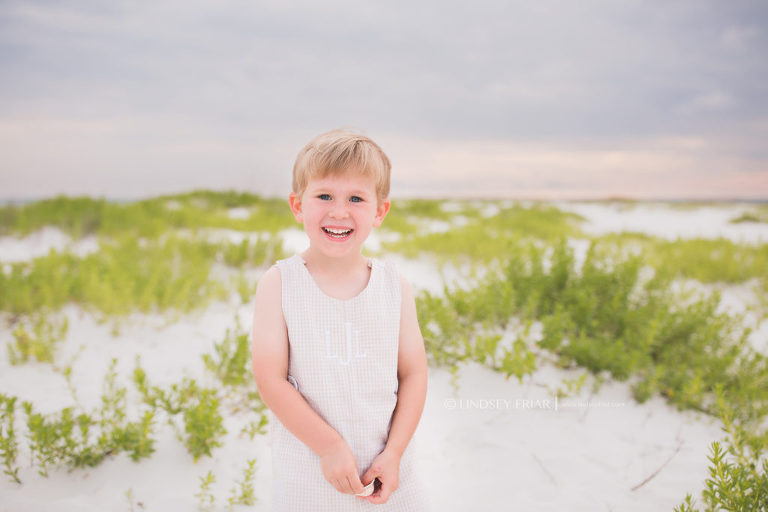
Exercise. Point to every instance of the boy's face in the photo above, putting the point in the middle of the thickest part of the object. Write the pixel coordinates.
(346, 204)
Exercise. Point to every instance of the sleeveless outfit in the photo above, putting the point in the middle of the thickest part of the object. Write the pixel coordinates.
(343, 360)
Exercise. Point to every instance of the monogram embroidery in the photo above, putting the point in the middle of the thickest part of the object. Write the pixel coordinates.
(332, 350)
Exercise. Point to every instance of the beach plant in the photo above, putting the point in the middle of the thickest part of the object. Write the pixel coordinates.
(85, 439)
(518, 361)
(252, 252)
(738, 468)
(132, 437)
(710, 261)
(9, 445)
(758, 213)
(36, 339)
(243, 492)
(132, 503)
(66, 372)
(231, 358)
(571, 387)
(481, 239)
(706, 260)
(607, 317)
(153, 217)
(205, 498)
(120, 278)
(230, 364)
(78, 216)
(251, 429)
(245, 288)
(406, 216)
(129, 274)
(198, 407)
(203, 424)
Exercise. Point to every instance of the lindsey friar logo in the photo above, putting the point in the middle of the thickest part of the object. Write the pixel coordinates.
(346, 350)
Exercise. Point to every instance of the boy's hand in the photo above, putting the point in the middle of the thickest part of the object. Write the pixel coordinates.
(340, 468)
(386, 466)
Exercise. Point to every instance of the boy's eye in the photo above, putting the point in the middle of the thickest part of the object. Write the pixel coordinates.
(354, 199)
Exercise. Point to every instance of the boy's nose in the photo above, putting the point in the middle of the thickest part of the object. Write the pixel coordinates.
(339, 210)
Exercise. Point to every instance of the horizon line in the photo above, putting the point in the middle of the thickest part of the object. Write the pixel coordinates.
(408, 196)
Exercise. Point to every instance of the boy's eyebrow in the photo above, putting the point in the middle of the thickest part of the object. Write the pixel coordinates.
(355, 191)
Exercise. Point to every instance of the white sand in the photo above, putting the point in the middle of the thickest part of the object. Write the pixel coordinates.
(41, 242)
(667, 222)
(483, 446)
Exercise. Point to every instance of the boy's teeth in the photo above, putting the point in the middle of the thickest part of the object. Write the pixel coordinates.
(337, 231)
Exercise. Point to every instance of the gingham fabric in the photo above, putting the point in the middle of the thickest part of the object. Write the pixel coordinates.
(343, 360)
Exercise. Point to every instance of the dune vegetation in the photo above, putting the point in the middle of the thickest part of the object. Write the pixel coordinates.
(628, 310)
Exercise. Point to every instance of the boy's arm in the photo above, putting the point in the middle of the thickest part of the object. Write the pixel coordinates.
(270, 368)
(411, 373)
(411, 394)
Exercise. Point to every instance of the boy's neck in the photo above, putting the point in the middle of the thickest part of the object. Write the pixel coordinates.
(333, 266)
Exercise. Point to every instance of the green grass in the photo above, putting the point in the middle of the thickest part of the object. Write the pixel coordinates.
(757, 214)
(484, 239)
(130, 275)
(81, 216)
(604, 317)
(705, 260)
(36, 339)
(738, 468)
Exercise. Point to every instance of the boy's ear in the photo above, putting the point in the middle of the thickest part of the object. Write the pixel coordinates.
(381, 212)
(295, 202)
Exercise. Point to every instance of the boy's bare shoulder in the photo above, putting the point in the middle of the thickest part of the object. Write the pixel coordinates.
(270, 280)
(405, 286)
(269, 327)
(269, 292)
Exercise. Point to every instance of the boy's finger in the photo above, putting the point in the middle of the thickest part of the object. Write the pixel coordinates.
(355, 486)
(382, 495)
(369, 476)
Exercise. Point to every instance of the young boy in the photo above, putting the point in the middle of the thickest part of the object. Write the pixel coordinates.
(337, 351)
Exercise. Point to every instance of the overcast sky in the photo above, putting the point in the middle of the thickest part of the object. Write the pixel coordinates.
(546, 99)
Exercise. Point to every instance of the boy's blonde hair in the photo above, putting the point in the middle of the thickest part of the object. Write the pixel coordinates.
(338, 152)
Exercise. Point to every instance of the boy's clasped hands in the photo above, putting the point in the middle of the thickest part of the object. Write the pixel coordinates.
(340, 469)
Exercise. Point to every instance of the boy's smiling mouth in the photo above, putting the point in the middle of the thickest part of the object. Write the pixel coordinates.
(337, 233)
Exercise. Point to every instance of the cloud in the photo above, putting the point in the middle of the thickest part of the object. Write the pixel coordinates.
(661, 167)
(246, 83)
(740, 37)
(708, 101)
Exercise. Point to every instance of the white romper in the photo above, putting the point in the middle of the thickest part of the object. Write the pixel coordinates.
(343, 360)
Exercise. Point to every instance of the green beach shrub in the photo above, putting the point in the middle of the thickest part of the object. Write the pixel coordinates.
(243, 492)
(483, 239)
(198, 408)
(706, 260)
(85, 439)
(9, 445)
(710, 261)
(230, 364)
(604, 317)
(205, 498)
(79, 216)
(149, 218)
(36, 339)
(130, 275)
(231, 360)
(757, 214)
(203, 423)
(738, 468)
